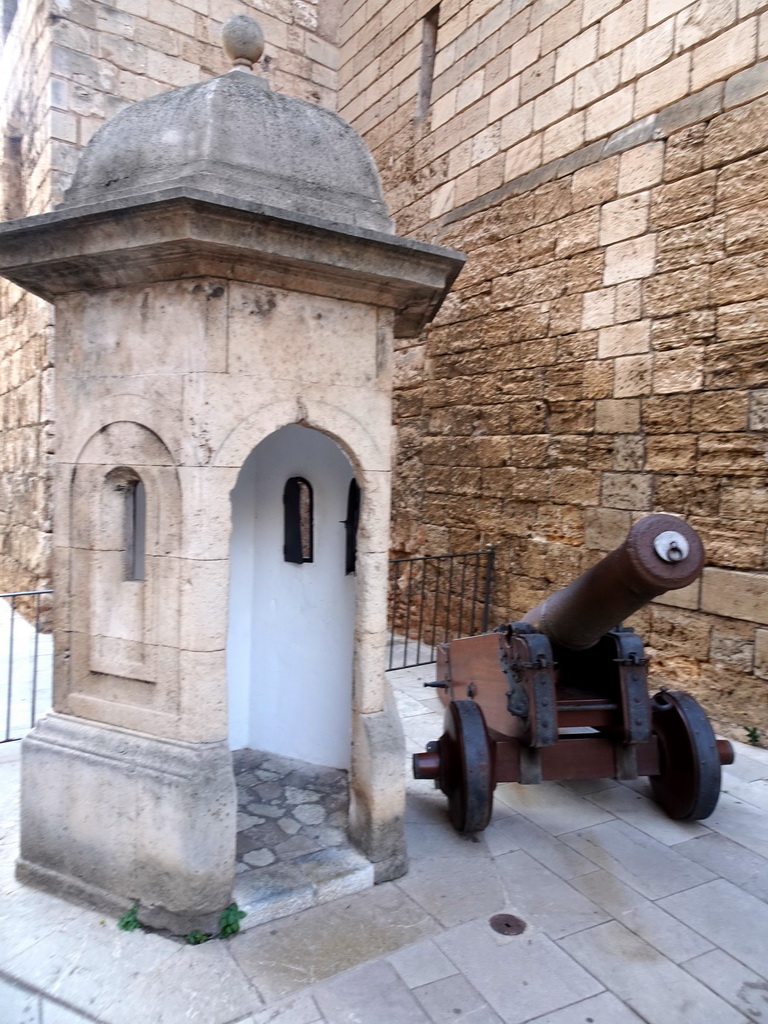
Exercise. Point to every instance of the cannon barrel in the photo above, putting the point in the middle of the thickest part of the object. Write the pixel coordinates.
(660, 553)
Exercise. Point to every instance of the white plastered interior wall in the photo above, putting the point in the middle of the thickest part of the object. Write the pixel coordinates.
(291, 626)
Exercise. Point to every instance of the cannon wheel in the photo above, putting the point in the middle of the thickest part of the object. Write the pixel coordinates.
(466, 760)
(688, 784)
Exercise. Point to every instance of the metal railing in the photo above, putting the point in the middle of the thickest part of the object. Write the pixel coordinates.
(26, 661)
(436, 598)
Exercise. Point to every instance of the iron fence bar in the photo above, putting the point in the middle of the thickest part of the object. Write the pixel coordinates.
(490, 566)
(448, 602)
(433, 633)
(407, 633)
(474, 593)
(439, 575)
(392, 595)
(461, 594)
(421, 611)
(35, 650)
(10, 669)
(13, 598)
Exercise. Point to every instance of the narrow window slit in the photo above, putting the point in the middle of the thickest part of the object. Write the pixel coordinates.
(350, 526)
(136, 531)
(427, 70)
(298, 521)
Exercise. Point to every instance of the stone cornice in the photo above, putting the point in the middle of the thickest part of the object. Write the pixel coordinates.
(185, 233)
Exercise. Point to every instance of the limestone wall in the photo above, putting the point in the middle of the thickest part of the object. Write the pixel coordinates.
(65, 67)
(603, 354)
(26, 377)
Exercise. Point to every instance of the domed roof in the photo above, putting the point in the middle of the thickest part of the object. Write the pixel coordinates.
(233, 137)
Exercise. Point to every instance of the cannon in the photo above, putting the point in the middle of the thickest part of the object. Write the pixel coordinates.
(562, 694)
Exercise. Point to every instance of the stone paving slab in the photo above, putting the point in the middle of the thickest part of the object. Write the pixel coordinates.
(520, 977)
(454, 999)
(551, 806)
(642, 916)
(731, 861)
(744, 989)
(455, 888)
(284, 956)
(421, 964)
(361, 995)
(513, 832)
(650, 867)
(721, 909)
(638, 810)
(629, 917)
(658, 990)
(602, 1009)
(543, 899)
(742, 822)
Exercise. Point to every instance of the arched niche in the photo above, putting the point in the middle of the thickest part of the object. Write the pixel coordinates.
(122, 576)
(290, 643)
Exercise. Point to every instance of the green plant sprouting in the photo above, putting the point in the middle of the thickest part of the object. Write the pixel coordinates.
(129, 921)
(229, 922)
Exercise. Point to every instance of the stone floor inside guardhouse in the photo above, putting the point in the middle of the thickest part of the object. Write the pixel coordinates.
(292, 845)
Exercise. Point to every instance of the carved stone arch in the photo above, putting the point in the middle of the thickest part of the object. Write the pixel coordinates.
(87, 423)
(358, 443)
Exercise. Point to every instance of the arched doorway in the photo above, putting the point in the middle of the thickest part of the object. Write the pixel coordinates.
(292, 600)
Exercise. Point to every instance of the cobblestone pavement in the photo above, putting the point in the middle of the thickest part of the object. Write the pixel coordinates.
(629, 917)
(292, 846)
(287, 809)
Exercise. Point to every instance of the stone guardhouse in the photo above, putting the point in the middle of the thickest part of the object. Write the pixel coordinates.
(228, 289)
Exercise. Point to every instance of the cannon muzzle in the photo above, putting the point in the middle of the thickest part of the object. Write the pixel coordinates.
(660, 553)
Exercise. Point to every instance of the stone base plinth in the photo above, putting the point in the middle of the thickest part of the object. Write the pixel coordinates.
(377, 798)
(113, 817)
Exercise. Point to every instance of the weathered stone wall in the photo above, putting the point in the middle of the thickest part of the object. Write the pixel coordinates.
(67, 66)
(604, 351)
(25, 322)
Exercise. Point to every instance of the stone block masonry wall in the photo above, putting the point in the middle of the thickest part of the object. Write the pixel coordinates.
(65, 67)
(106, 55)
(519, 83)
(604, 353)
(26, 377)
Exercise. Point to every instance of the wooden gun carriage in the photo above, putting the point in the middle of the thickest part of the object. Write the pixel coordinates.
(563, 693)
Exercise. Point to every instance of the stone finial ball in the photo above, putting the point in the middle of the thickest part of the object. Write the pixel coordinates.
(243, 39)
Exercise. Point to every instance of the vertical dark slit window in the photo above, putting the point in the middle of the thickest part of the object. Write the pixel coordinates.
(427, 70)
(350, 526)
(135, 530)
(297, 517)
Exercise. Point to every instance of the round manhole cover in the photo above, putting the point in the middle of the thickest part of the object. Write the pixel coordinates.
(507, 924)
